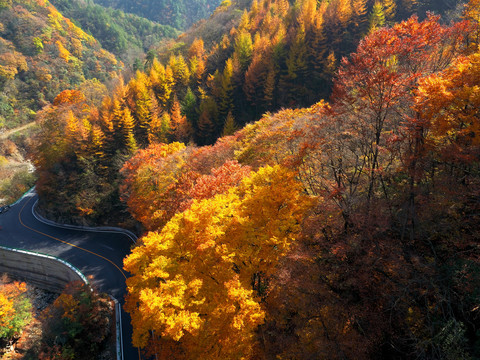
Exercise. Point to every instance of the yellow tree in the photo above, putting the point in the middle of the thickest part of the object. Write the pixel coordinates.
(7, 313)
(141, 94)
(96, 140)
(226, 90)
(162, 81)
(127, 125)
(197, 284)
(377, 17)
(244, 21)
(196, 57)
(180, 71)
(472, 13)
(160, 129)
(389, 9)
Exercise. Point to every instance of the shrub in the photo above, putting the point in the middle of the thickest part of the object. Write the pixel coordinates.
(15, 308)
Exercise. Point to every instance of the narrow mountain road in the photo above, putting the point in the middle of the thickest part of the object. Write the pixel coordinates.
(5, 134)
(98, 255)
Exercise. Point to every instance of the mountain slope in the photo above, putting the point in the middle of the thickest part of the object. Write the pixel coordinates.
(274, 55)
(125, 35)
(177, 13)
(41, 54)
(386, 265)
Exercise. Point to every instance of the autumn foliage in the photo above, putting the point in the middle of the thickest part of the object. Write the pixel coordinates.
(208, 268)
(375, 238)
(273, 55)
(344, 230)
(43, 53)
(76, 325)
(15, 308)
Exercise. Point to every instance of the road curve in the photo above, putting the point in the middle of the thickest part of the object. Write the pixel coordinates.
(98, 255)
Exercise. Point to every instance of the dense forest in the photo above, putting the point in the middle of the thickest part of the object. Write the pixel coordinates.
(179, 14)
(198, 92)
(307, 183)
(50, 47)
(43, 53)
(125, 35)
(347, 230)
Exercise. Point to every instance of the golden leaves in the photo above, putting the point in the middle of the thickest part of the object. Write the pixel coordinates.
(194, 276)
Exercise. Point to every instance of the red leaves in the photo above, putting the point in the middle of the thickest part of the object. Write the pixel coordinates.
(170, 177)
(220, 180)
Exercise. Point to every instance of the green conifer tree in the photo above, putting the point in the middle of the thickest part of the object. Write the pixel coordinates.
(230, 126)
(377, 17)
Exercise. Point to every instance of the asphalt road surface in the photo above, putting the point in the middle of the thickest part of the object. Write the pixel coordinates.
(98, 255)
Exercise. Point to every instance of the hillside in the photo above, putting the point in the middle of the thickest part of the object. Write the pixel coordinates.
(179, 14)
(199, 91)
(346, 230)
(41, 54)
(126, 35)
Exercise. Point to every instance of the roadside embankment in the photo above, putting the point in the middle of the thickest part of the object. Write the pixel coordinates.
(45, 271)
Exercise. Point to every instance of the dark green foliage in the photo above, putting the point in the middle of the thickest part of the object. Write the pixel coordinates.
(125, 35)
(189, 107)
(177, 13)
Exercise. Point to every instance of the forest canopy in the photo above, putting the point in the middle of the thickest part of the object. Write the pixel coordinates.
(277, 224)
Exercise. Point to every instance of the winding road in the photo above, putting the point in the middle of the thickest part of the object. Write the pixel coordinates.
(97, 254)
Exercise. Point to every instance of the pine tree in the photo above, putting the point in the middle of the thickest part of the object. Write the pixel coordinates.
(377, 17)
(117, 119)
(162, 82)
(106, 125)
(389, 9)
(189, 108)
(208, 129)
(165, 128)
(149, 60)
(180, 129)
(131, 143)
(226, 91)
(160, 129)
(316, 48)
(127, 131)
(97, 140)
(180, 71)
(293, 81)
(269, 87)
(143, 108)
(230, 127)
(244, 22)
(360, 18)
(244, 49)
(196, 58)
